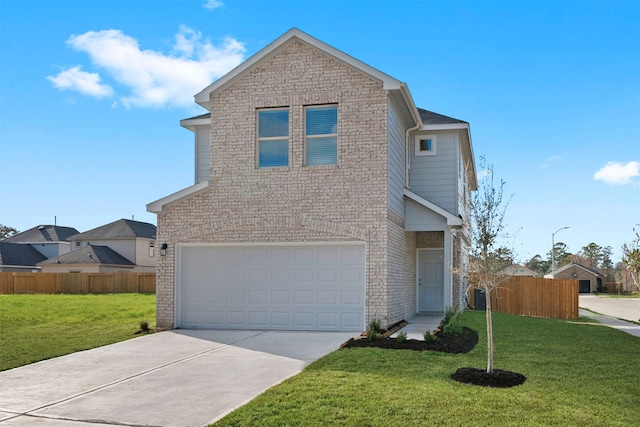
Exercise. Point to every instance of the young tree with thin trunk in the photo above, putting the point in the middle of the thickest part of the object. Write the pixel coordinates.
(631, 257)
(488, 209)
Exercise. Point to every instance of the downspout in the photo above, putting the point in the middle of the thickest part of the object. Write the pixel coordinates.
(407, 160)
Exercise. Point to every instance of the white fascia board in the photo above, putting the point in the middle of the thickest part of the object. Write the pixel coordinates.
(452, 220)
(192, 123)
(389, 83)
(404, 89)
(446, 126)
(158, 205)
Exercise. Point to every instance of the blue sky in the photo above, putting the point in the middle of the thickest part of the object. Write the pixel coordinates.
(91, 94)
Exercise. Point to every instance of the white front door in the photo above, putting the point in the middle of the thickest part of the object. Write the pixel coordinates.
(431, 281)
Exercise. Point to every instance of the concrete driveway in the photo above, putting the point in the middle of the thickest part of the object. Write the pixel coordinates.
(621, 308)
(174, 378)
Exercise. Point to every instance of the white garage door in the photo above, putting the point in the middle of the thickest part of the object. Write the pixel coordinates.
(311, 287)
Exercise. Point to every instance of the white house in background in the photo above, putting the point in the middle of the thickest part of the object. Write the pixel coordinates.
(323, 199)
(123, 245)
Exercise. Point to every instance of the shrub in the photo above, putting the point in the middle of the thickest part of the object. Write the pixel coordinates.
(401, 337)
(374, 324)
(451, 322)
(428, 336)
(372, 334)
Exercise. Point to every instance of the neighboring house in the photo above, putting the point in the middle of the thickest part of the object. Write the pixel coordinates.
(589, 279)
(16, 257)
(123, 245)
(49, 240)
(519, 270)
(323, 199)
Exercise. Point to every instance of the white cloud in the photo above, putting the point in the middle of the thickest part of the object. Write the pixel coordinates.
(550, 161)
(154, 79)
(616, 173)
(212, 4)
(76, 79)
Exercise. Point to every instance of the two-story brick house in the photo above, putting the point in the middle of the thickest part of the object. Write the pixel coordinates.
(324, 198)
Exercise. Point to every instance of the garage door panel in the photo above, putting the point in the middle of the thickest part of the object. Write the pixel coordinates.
(328, 320)
(327, 297)
(317, 287)
(354, 298)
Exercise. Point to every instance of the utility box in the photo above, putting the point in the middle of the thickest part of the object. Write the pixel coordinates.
(479, 300)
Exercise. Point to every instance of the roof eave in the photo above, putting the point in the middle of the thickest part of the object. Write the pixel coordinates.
(158, 205)
(192, 123)
(452, 220)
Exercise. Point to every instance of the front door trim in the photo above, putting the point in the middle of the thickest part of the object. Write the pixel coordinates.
(445, 294)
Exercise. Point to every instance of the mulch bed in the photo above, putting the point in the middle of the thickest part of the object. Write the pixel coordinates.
(463, 343)
(497, 378)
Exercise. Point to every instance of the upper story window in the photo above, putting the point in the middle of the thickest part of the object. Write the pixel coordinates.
(273, 137)
(321, 135)
(425, 145)
(152, 249)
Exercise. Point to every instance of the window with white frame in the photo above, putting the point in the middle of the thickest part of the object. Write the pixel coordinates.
(425, 145)
(152, 249)
(321, 135)
(273, 138)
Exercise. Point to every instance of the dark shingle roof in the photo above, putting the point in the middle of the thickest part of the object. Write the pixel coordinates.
(201, 116)
(19, 254)
(90, 254)
(43, 234)
(575, 264)
(120, 229)
(431, 118)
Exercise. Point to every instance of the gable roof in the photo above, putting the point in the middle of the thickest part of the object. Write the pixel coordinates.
(431, 118)
(91, 254)
(397, 89)
(120, 229)
(43, 234)
(18, 254)
(452, 220)
(583, 267)
(518, 270)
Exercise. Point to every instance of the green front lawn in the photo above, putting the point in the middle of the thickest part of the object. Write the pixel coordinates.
(577, 375)
(38, 327)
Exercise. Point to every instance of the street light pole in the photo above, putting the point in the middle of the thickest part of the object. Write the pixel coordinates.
(553, 252)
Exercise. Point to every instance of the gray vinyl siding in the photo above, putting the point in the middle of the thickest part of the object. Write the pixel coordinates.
(396, 154)
(202, 152)
(435, 177)
(419, 218)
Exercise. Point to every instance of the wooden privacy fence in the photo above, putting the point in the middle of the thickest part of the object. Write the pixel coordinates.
(534, 296)
(76, 283)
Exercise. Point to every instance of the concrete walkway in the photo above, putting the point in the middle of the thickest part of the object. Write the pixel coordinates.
(174, 378)
(418, 325)
(621, 325)
(621, 308)
(612, 312)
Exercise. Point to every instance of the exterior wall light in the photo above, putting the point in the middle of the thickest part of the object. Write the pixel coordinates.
(163, 249)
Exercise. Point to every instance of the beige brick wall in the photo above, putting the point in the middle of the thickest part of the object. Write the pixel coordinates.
(430, 239)
(347, 202)
(401, 277)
